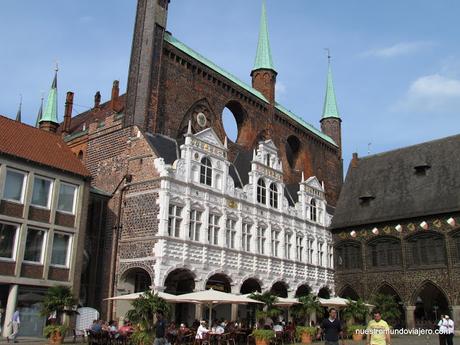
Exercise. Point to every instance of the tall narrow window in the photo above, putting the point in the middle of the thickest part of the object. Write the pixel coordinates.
(174, 220)
(287, 245)
(246, 237)
(260, 240)
(310, 251)
(66, 202)
(320, 253)
(329, 256)
(273, 195)
(61, 250)
(14, 185)
(261, 192)
(8, 240)
(267, 159)
(195, 225)
(41, 195)
(299, 247)
(275, 242)
(213, 229)
(206, 171)
(230, 233)
(313, 211)
(34, 245)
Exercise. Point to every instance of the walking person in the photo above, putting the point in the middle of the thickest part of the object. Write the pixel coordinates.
(160, 330)
(450, 330)
(332, 329)
(379, 331)
(15, 322)
(442, 328)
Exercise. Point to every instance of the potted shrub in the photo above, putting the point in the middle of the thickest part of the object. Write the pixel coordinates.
(305, 334)
(355, 312)
(308, 305)
(356, 331)
(263, 336)
(58, 301)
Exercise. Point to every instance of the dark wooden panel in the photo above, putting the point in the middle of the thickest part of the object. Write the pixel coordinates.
(7, 268)
(64, 219)
(11, 209)
(39, 214)
(32, 271)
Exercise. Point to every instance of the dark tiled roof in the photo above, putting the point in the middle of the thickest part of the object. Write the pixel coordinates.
(38, 146)
(388, 186)
(163, 146)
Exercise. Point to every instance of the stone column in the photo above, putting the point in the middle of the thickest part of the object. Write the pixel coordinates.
(198, 312)
(410, 320)
(10, 308)
(234, 314)
(456, 313)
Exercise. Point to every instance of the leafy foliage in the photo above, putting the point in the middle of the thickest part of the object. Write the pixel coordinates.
(50, 330)
(58, 299)
(351, 329)
(308, 304)
(355, 311)
(144, 309)
(299, 330)
(263, 334)
(388, 307)
(268, 309)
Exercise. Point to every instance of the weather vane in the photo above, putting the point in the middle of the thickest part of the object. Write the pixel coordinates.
(328, 54)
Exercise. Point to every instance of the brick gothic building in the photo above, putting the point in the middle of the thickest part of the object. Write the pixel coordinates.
(396, 230)
(171, 90)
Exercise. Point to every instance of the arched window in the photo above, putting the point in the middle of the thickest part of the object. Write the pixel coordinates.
(273, 195)
(313, 210)
(206, 172)
(426, 249)
(261, 192)
(384, 252)
(348, 256)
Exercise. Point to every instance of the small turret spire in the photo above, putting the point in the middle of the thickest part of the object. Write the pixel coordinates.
(40, 112)
(264, 55)
(19, 113)
(330, 108)
(50, 113)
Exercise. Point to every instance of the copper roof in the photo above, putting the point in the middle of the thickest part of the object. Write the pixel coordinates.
(38, 146)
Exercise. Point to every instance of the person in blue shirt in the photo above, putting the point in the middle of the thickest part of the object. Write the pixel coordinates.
(15, 322)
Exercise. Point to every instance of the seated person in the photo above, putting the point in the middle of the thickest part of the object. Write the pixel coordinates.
(126, 329)
(96, 327)
(113, 329)
(202, 330)
(220, 329)
(278, 327)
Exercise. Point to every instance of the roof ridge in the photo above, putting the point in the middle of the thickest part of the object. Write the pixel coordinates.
(26, 124)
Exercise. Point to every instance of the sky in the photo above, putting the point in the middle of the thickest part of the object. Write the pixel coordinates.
(396, 64)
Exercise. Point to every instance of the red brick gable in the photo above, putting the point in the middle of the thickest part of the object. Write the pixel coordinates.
(38, 146)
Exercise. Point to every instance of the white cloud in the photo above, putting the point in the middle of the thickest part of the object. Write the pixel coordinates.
(403, 48)
(432, 92)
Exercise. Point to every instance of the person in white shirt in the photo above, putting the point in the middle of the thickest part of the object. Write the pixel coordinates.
(442, 327)
(201, 330)
(450, 330)
(278, 327)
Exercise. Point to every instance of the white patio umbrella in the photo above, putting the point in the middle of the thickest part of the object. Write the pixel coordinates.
(212, 297)
(338, 302)
(132, 296)
(286, 302)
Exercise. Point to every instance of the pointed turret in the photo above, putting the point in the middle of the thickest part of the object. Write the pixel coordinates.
(264, 74)
(331, 121)
(40, 113)
(19, 113)
(49, 120)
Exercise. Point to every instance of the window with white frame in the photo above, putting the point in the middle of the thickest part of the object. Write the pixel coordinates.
(275, 242)
(329, 256)
(261, 239)
(8, 241)
(174, 220)
(213, 229)
(288, 245)
(41, 195)
(246, 237)
(320, 253)
(67, 197)
(313, 210)
(273, 195)
(194, 225)
(261, 191)
(35, 244)
(206, 171)
(14, 185)
(61, 250)
(310, 251)
(299, 247)
(230, 233)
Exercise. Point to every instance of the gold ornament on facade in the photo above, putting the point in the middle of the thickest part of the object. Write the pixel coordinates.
(437, 223)
(411, 226)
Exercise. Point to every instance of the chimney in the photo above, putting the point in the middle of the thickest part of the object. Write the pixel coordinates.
(97, 100)
(354, 160)
(115, 94)
(68, 113)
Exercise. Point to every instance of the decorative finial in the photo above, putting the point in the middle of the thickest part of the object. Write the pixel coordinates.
(253, 154)
(19, 113)
(189, 129)
(328, 55)
(56, 68)
(225, 142)
(303, 177)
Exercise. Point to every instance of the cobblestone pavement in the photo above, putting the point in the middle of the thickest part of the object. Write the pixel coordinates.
(396, 340)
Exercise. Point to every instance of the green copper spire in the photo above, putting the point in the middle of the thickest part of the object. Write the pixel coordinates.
(19, 113)
(50, 113)
(330, 104)
(264, 54)
(40, 113)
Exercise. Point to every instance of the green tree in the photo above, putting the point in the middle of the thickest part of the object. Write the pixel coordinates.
(308, 304)
(388, 307)
(268, 309)
(355, 311)
(60, 300)
(144, 309)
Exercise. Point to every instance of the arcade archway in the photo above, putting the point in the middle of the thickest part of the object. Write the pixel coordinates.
(430, 302)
